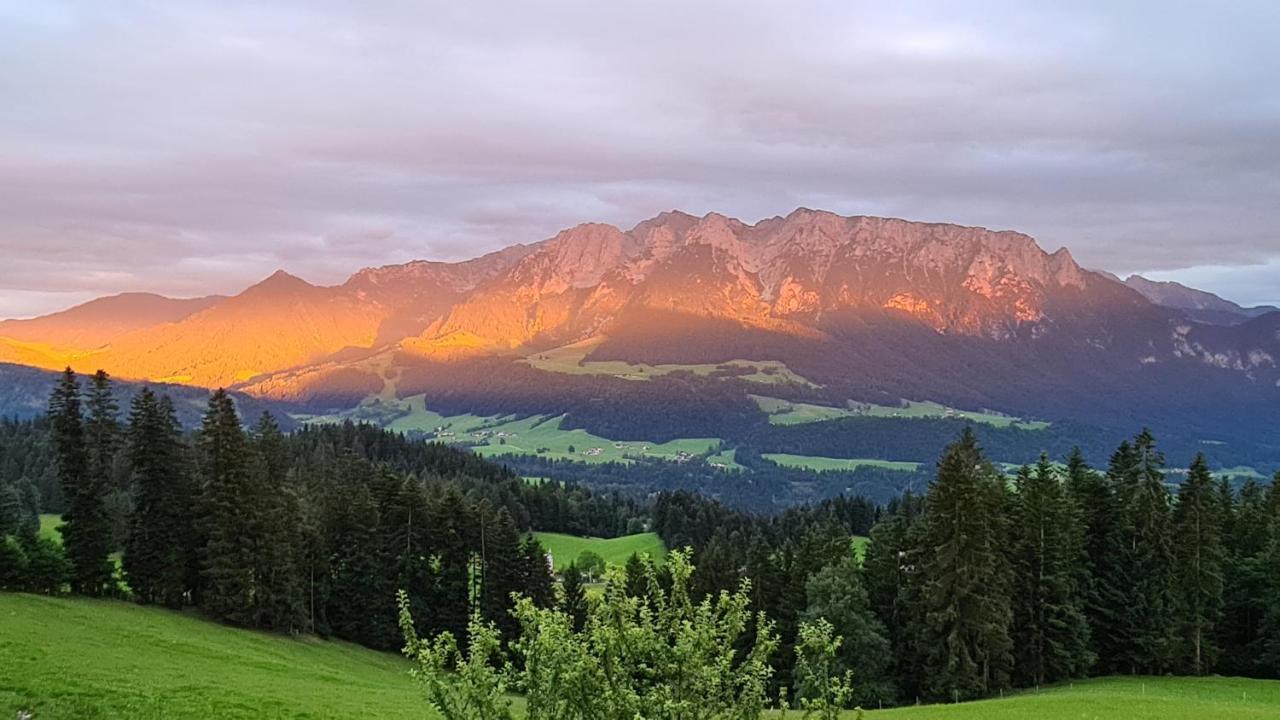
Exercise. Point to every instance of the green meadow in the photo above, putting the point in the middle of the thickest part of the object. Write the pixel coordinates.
(785, 412)
(80, 658)
(539, 435)
(1130, 698)
(565, 549)
(814, 462)
(107, 660)
(571, 360)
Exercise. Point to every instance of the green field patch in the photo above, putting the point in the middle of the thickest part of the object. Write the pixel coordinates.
(51, 526)
(565, 549)
(571, 360)
(1129, 698)
(539, 435)
(814, 462)
(725, 460)
(786, 412)
(80, 658)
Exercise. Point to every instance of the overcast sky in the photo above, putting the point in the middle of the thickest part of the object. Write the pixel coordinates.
(190, 147)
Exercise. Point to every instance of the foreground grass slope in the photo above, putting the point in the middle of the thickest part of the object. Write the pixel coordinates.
(1117, 699)
(78, 658)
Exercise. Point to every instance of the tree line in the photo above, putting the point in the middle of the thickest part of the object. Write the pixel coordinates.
(989, 582)
(308, 532)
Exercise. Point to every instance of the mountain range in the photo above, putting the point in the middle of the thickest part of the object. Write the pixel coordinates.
(838, 310)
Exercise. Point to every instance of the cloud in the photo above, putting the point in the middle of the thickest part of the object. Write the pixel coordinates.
(195, 147)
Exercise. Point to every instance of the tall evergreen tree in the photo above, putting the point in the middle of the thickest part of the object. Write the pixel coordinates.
(573, 598)
(278, 601)
(86, 528)
(1198, 569)
(894, 589)
(227, 514)
(966, 582)
(1050, 632)
(157, 548)
(452, 524)
(1149, 552)
(1246, 587)
(503, 572)
(536, 579)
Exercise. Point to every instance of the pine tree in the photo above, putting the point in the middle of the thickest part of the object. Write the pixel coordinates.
(158, 545)
(86, 528)
(536, 580)
(1198, 568)
(503, 571)
(452, 522)
(966, 582)
(1050, 632)
(226, 514)
(1245, 584)
(278, 590)
(573, 600)
(1149, 550)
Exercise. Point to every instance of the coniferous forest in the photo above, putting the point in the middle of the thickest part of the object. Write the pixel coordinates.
(986, 582)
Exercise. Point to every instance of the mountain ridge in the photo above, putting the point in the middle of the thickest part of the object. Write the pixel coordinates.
(861, 309)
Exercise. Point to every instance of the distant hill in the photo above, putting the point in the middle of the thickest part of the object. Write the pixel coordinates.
(24, 393)
(1197, 304)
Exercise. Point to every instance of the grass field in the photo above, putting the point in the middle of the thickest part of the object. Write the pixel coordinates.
(1117, 699)
(78, 658)
(814, 462)
(571, 360)
(107, 660)
(565, 549)
(785, 412)
(50, 526)
(507, 435)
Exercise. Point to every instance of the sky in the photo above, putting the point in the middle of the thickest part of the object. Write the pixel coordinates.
(191, 148)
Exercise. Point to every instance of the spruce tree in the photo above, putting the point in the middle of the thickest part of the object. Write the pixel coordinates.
(966, 582)
(452, 523)
(1198, 568)
(278, 591)
(536, 580)
(573, 598)
(86, 528)
(503, 572)
(1245, 584)
(158, 545)
(226, 514)
(1149, 550)
(1050, 632)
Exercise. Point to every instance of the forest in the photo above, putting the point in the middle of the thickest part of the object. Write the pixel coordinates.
(981, 583)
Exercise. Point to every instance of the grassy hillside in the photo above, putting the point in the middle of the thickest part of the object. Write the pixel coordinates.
(615, 551)
(1117, 699)
(78, 658)
(785, 412)
(539, 435)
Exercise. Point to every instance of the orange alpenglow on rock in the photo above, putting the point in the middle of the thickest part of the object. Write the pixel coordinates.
(782, 274)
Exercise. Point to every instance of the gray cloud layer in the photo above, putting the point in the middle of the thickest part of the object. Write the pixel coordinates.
(194, 147)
